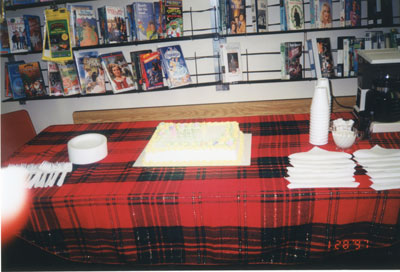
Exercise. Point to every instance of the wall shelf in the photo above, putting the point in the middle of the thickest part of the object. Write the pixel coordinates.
(109, 92)
(195, 85)
(132, 43)
(193, 33)
(215, 36)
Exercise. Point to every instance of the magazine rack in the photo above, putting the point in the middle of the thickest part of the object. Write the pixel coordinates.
(193, 33)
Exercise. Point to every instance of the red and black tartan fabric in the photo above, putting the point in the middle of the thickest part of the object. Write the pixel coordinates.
(111, 212)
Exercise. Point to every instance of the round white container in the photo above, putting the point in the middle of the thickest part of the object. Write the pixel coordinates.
(87, 148)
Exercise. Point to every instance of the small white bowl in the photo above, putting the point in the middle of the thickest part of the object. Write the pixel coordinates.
(87, 148)
(344, 138)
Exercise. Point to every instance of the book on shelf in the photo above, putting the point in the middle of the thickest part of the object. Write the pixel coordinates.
(394, 38)
(72, 8)
(231, 62)
(294, 14)
(17, 34)
(159, 19)
(55, 81)
(282, 11)
(16, 84)
(311, 59)
(46, 54)
(32, 79)
(251, 25)
(83, 25)
(346, 57)
(341, 52)
(90, 72)
(348, 47)
(353, 12)
(312, 13)
(321, 13)
(312, 48)
(372, 12)
(291, 53)
(173, 10)
(356, 44)
(102, 25)
(131, 30)
(23, 2)
(222, 18)
(325, 57)
(380, 12)
(118, 72)
(368, 40)
(7, 87)
(136, 68)
(4, 38)
(342, 13)
(32, 26)
(145, 21)
(113, 25)
(375, 40)
(58, 34)
(261, 19)
(283, 52)
(237, 16)
(152, 73)
(69, 76)
(174, 66)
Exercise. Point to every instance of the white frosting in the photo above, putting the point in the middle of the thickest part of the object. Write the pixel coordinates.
(193, 143)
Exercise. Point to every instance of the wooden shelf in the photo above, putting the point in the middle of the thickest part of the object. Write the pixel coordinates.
(234, 109)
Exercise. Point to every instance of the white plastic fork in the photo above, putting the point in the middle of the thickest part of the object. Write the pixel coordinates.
(46, 168)
(47, 174)
(53, 178)
(65, 167)
(34, 173)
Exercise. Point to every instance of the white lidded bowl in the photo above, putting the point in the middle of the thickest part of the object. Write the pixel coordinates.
(344, 138)
(87, 148)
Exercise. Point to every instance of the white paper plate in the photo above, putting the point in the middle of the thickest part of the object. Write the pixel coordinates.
(317, 153)
(377, 152)
(245, 162)
(87, 148)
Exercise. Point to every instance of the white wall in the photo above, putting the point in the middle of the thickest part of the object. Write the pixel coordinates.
(59, 111)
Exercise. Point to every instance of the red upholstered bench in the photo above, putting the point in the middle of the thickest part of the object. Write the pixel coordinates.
(16, 130)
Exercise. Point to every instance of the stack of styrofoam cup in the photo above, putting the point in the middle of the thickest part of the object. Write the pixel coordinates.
(319, 117)
(324, 82)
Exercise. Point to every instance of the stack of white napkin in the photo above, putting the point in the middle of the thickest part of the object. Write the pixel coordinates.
(319, 168)
(382, 165)
(46, 174)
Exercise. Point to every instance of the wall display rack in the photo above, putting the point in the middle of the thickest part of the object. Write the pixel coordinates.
(192, 33)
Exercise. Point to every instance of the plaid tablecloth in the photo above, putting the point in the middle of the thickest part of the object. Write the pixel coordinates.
(111, 212)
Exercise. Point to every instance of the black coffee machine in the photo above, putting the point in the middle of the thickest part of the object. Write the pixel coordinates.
(378, 96)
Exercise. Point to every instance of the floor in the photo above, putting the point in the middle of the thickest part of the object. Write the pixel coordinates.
(21, 256)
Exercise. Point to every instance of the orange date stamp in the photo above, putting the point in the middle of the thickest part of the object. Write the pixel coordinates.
(348, 244)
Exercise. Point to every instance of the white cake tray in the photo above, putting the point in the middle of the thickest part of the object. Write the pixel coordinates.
(246, 161)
